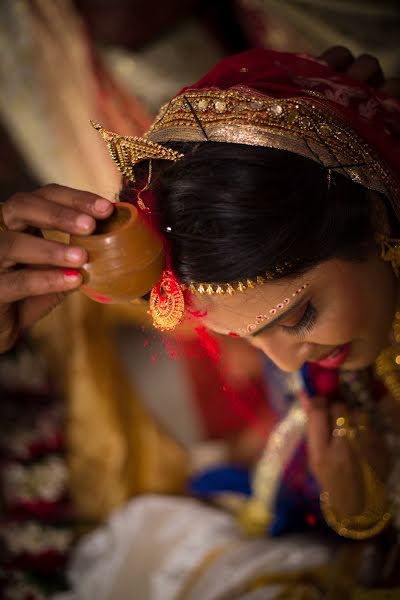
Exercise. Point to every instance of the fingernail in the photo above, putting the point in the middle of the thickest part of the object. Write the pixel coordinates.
(102, 205)
(74, 254)
(84, 222)
(71, 275)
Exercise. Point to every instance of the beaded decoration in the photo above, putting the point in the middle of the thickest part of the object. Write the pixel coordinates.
(272, 312)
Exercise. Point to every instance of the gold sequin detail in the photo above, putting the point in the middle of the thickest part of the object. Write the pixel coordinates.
(305, 126)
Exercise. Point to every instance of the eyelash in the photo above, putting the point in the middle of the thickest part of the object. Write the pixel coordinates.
(306, 323)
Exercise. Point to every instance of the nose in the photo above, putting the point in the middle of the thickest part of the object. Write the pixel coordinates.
(288, 355)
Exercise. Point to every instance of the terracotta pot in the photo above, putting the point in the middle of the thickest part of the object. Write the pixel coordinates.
(126, 257)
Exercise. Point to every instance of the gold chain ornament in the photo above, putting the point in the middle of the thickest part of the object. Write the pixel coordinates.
(375, 516)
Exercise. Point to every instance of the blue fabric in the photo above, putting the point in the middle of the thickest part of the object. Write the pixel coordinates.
(225, 478)
(297, 501)
(308, 384)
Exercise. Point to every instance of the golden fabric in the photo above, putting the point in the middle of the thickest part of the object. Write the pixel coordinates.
(300, 125)
(115, 448)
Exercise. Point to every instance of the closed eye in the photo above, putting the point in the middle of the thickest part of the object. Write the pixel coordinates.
(305, 322)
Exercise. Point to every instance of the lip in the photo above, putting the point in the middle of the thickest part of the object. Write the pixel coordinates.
(335, 359)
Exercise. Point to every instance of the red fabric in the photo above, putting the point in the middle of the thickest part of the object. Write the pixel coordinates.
(287, 75)
(223, 408)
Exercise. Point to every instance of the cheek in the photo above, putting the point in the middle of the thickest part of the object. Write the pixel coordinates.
(351, 317)
(341, 322)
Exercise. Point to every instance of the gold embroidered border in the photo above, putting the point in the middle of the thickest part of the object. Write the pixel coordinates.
(300, 125)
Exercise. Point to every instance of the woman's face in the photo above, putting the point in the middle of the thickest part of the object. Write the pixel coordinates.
(339, 314)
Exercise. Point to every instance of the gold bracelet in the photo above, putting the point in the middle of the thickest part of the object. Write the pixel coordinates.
(371, 521)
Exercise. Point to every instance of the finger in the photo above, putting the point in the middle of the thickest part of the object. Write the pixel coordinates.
(35, 308)
(391, 87)
(338, 58)
(9, 326)
(79, 200)
(51, 207)
(366, 68)
(23, 283)
(26, 249)
(318, 432)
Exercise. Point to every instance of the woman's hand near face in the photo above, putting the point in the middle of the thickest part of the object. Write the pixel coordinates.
(35, 273)
(336, 461)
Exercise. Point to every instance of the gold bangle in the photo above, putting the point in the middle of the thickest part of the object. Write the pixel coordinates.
(345, 527)
(371, 521)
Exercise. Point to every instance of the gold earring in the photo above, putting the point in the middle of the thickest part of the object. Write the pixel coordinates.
(167, 303)
(390, 251)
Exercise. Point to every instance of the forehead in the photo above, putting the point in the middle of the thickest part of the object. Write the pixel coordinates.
(239, 312)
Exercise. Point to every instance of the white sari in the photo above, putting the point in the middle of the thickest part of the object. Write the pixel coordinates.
(167, 548)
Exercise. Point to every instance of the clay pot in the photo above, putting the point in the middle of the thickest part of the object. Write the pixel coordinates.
(126, 257)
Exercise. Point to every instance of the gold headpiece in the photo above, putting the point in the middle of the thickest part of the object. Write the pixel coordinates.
(303, 126)
(127, 152)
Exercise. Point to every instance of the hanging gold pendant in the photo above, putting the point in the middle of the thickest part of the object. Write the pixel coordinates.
(167, 303)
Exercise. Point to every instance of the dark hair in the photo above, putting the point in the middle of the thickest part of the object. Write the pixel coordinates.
(233, 211)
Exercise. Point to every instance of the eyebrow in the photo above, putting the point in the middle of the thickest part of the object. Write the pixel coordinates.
(278, 319)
